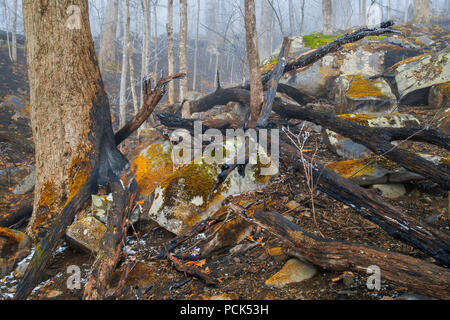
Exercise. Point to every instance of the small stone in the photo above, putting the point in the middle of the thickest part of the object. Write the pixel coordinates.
(293, 205)
(292, 272)
(85, 234)
(26, 185)
(391, 191)
(54, 294)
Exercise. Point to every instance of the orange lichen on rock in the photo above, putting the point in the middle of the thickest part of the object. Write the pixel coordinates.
(361, 87)
(358, 118)
(152, 166)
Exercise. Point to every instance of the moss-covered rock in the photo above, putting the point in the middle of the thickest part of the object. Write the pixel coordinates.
(184, 198)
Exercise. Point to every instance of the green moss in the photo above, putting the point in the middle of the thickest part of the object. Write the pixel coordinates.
(317, 40)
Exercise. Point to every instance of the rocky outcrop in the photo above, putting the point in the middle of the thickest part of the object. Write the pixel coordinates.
(415, 76)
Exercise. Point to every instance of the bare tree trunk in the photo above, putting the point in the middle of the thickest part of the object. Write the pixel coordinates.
(406, 17)
(123, 78)
(256, 87)
(155, 21)
(14, 31)
(108, 42)
(170, 57)
(327, 11)
(182, 50)
(389, 9)
(302, 18)
(145, 56)
(265, 30)
(70, 113)
(291, 18)
(194, 81)
(422, 11)
(7, 30)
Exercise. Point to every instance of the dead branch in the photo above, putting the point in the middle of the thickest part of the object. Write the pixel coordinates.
(417, 275)
(112, 241)
(273, 83)
(192, 270)
(151, 100)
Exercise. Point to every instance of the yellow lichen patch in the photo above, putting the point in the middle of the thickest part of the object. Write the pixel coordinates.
(78, 174)
(152, 166)
(361, 87)
(358, 118)
(10, 234)
(360, 167)
(348, 168)
(445, 161)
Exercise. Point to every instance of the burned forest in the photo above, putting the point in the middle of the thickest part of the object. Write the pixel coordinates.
(242, 150)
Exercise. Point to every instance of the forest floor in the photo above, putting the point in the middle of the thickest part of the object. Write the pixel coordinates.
(243, 276)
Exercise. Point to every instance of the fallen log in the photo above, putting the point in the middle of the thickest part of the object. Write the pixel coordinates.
(418, 275)
(23, 213)
(112, 241)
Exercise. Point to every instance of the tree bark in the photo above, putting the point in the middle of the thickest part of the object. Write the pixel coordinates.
(422, 11)
(265, 30)
(302, 18)
(327, 12)
(256, 87)
(130, 61)
(123, 78)
(14, 33)
(108, 41)
(72, 130)
(182, 51)
(194, 80)
(170, 56)
(70, 120)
